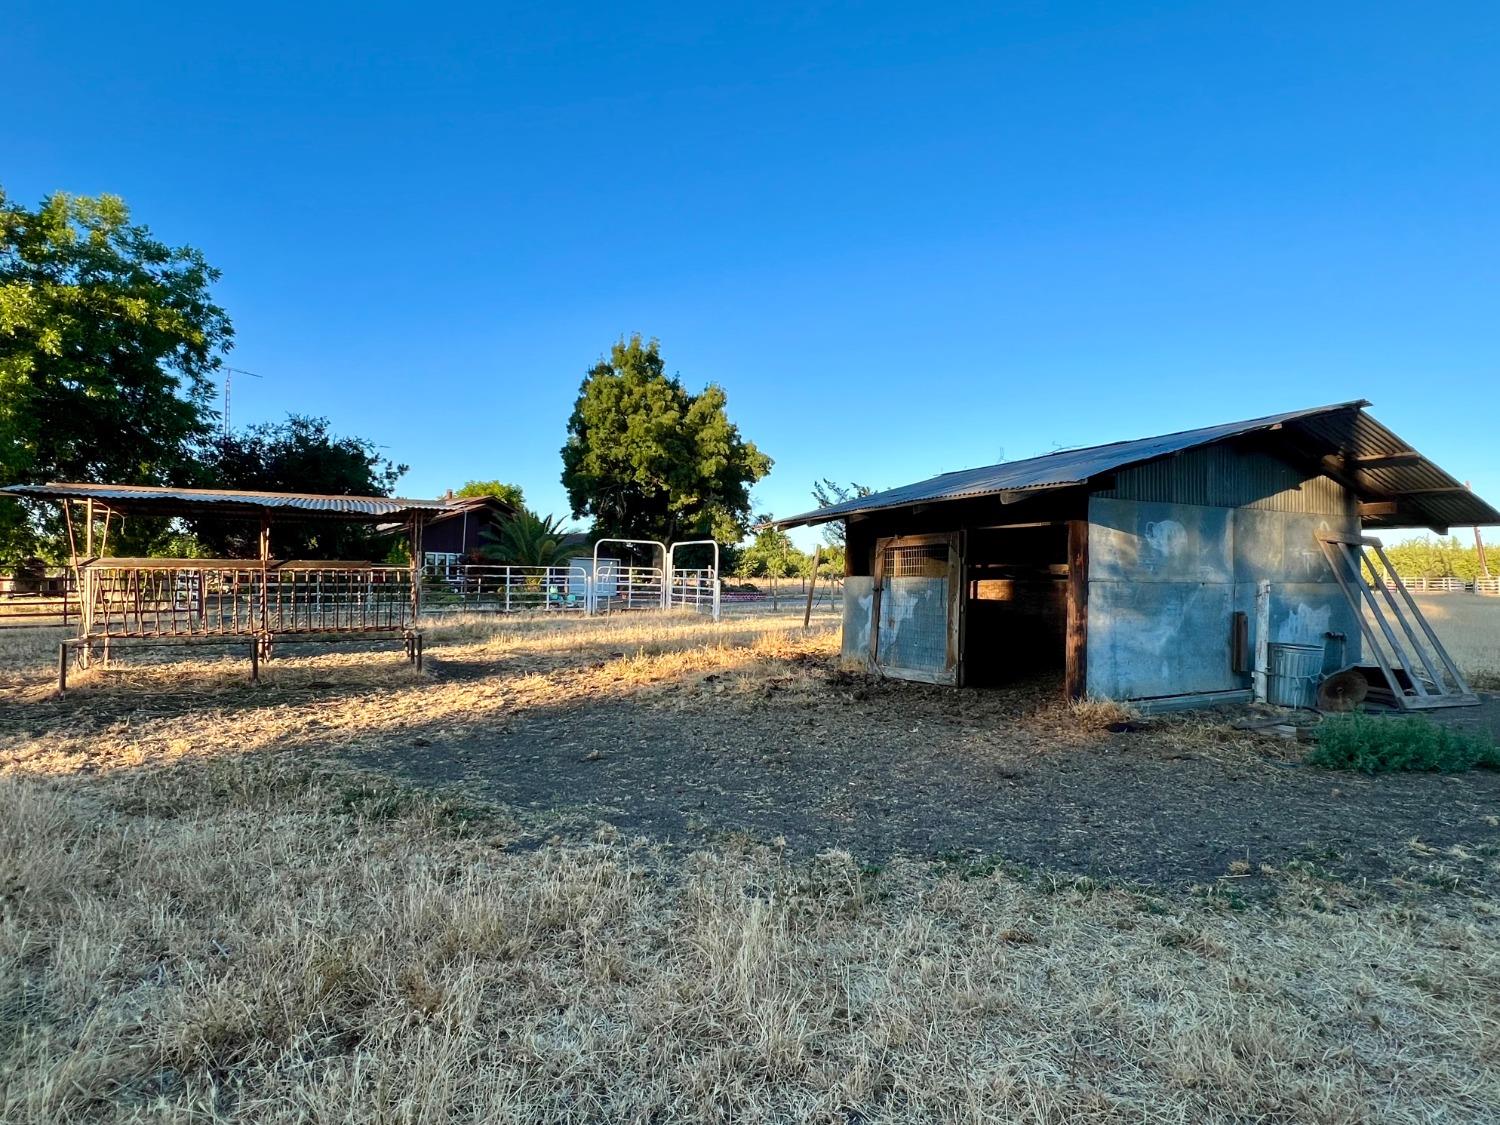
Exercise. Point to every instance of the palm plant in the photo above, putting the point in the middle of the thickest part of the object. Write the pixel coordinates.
(527, 539)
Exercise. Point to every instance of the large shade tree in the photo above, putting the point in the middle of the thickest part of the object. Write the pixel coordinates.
(648, 459)
(108, 341)
(301, 454)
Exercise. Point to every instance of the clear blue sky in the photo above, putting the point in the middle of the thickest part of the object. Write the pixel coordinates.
(905, 238)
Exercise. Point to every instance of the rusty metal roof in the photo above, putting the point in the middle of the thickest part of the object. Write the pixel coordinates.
(1342, 432)
(164, 501)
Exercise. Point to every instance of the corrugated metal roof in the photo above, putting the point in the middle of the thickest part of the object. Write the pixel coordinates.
(197, 501)
(1430, 497)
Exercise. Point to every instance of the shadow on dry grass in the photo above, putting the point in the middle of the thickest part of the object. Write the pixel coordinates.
(204, 916)
(257, 939)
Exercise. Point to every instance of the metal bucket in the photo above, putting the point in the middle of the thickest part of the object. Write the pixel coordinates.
(1292, 678)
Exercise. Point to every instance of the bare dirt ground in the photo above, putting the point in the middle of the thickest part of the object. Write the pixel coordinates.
(884, 769)
(760, 735)
(219, 903)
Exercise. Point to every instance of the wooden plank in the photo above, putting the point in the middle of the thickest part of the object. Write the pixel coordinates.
(1260, 680)
(812, 585)
(1075, 674)
(1342, 560)
(1378, 508)
(1458, 678)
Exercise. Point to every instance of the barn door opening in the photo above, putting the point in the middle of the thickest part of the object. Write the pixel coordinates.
(917, 611)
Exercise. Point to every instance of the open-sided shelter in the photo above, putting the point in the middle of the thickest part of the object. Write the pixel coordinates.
(1157, 570)
(257, 599)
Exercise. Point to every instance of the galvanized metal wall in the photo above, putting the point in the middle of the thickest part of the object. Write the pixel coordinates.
(859, 598)
(1220, 477)
(1166, 577)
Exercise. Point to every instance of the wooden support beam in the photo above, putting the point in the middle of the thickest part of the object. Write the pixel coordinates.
(1377, 508)
(1349, 464)
(1075, 675)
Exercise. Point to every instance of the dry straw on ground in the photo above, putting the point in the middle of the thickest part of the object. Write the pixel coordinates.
(199, 924)
(249, 940)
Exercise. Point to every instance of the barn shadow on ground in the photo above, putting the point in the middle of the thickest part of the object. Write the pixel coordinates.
(789, 750)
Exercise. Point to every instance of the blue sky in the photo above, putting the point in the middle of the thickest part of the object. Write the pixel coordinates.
(906, 239)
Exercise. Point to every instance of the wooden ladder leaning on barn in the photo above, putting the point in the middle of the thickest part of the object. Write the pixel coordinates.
(1367, 578)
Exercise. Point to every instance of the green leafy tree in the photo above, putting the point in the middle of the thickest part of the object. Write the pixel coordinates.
(301, 454)
(1441, 558)
(771, 554)
(510, 493)
(647, 459)
(827, 493)
(528, 539)
(108, 341)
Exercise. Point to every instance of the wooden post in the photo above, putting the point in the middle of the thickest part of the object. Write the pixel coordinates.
(416, 569)
(1263, 639)
(811, 586)
(265, 578)
(62, 667)
(1075, 673)
(255, 661)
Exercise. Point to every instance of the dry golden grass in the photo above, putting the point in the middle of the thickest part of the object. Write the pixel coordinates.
(1469, 627)
(250, 939)
(199, 923)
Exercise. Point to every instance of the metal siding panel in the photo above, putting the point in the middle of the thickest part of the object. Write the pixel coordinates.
(859, 597)
(1141, 542)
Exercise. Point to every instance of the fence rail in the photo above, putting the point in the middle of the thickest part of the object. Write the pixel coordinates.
(1421, 584)
(460, 587)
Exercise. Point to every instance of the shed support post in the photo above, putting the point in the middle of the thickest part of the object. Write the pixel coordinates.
(1075, 674)
(1262, 640)
(265, 579)
(812, 584)
(416, 569)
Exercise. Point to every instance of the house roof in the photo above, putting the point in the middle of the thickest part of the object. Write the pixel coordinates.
(127, 499)
(1347, 443)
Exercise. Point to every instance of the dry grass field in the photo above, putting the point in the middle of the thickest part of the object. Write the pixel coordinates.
(1469, 628)
(224, 903)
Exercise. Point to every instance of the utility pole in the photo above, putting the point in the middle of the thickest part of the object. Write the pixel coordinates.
(229, 374)
(1484, 566)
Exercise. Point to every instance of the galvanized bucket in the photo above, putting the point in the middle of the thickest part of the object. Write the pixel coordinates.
(1292, 678)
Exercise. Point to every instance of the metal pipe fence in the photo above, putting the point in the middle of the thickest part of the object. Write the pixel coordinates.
(177, 598)
(482, 588)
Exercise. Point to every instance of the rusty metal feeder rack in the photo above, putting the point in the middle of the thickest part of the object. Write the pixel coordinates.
(257, 601)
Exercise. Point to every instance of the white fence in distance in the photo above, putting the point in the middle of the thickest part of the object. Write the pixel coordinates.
(1448, 585)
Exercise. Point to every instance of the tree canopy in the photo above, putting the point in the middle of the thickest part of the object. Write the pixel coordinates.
(301, 454)
(510, 493)
(108, 341)
(827, 493)
(646, 458)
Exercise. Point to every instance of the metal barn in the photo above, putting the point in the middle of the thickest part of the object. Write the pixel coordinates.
(1167, 571)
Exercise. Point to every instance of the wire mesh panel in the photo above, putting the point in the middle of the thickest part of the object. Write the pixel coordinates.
(915, 622)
